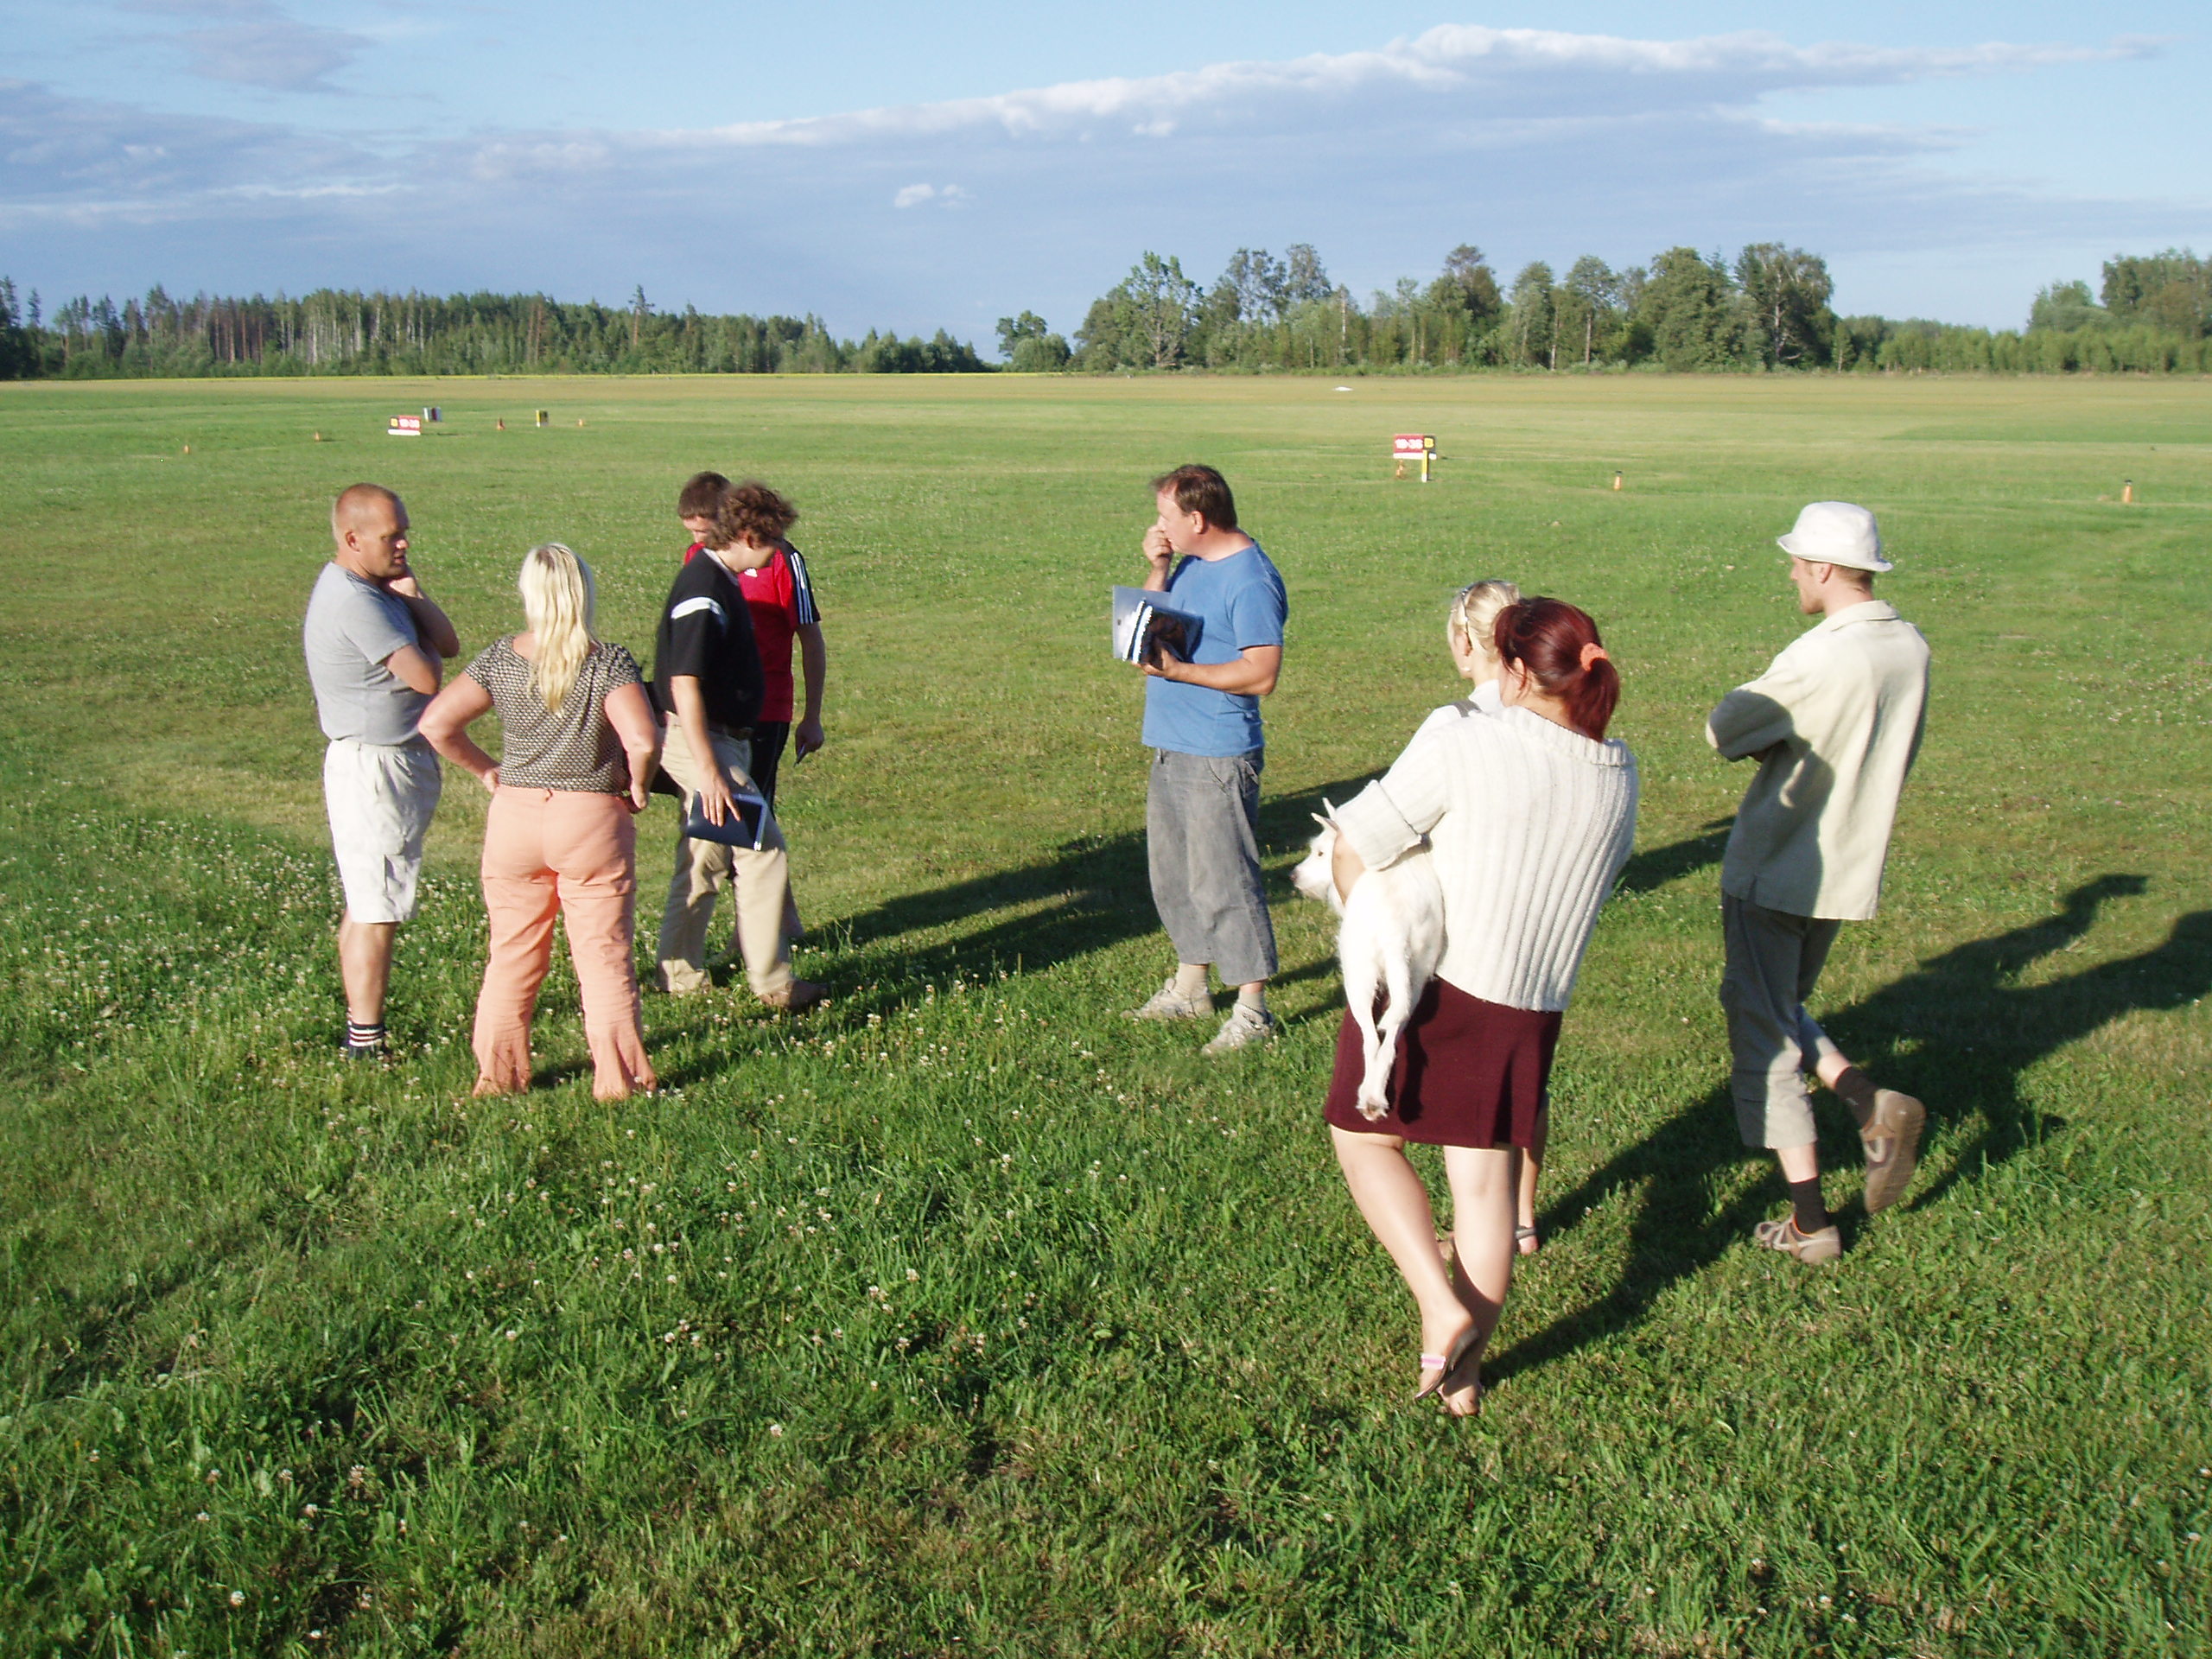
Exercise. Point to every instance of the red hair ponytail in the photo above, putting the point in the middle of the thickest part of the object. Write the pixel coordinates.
(1557, 646)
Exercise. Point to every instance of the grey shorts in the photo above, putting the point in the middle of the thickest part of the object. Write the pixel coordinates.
(1202, 833)
(1774, 960)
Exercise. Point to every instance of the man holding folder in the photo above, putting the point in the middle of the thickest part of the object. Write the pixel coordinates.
(1202, 723)
(707, 684)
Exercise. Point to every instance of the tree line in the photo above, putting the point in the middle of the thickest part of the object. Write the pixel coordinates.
(1769, 309)
(333, 331)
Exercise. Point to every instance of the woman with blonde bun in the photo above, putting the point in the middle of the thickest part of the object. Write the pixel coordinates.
(1467, 628)
(579, 748)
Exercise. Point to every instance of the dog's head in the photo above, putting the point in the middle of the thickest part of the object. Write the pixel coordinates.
(1312, 874)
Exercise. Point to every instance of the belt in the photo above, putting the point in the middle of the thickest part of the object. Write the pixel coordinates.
(735, 734)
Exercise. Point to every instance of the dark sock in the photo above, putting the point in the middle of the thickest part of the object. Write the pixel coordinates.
(1811, 1210)
(1856, 1089)
(364, 1036)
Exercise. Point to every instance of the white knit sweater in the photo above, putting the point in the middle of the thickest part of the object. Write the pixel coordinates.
(1528, 823)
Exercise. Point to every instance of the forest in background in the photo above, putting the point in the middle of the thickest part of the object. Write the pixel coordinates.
(341, 332)
(1685, 311)
(1769, 308)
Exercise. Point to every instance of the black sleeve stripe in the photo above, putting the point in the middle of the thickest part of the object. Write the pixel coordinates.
(801, 590)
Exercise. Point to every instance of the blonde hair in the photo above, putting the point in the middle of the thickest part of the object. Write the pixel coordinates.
(557, 597)
(1474, 613)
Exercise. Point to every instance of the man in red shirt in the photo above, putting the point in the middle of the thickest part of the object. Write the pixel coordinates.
(772, 576)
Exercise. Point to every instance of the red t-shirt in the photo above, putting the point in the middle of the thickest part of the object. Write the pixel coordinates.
(781, 600)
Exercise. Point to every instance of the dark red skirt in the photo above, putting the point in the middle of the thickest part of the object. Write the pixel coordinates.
(1469, 1073)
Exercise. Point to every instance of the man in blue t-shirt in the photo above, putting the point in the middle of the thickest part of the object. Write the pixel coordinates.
(1202, 723)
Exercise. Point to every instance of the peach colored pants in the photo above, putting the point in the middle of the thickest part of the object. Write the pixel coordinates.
(565, 850)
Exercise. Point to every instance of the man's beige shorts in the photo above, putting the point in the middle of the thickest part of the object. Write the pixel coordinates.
(380, 799)
(1774, 959)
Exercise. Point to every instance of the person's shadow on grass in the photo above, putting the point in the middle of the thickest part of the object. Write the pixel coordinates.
(1959, 1033)
(1086, 895)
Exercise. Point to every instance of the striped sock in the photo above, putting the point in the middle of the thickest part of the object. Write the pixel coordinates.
(364, 1036)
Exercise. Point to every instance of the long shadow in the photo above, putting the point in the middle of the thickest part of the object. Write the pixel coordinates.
(1094, 893)
(1959, 1033)
(1654, 867)
(1087, 895)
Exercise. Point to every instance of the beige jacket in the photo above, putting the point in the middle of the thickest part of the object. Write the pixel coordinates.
(1835, 724)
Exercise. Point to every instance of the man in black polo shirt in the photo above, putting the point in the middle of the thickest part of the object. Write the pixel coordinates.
(706, 684)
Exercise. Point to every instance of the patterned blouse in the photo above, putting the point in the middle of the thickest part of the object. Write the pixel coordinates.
(572, 748)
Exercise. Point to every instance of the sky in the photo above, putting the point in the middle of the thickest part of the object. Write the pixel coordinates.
(899, 167)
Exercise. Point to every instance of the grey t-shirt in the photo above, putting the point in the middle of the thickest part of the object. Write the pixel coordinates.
(353, 626)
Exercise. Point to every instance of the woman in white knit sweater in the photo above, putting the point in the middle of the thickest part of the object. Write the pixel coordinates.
(1529, 814)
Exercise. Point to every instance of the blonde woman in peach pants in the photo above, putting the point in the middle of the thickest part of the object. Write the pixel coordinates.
(580, 745)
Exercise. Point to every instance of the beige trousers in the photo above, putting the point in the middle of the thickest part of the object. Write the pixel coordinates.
(703, 868)
(1773, 959)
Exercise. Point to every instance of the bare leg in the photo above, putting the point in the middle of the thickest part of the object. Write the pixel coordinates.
(1799, 1163)
(1532, 1165)
(364, 965)
(1395, 1203)
(1484, 1182)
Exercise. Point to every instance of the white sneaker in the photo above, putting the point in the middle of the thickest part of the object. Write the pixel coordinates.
(1245, 1027)
(1169, 1003)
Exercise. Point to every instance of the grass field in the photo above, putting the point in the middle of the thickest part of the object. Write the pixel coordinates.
(965, 1317)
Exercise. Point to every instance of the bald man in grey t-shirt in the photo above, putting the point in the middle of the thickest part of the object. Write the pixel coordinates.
(375, 646)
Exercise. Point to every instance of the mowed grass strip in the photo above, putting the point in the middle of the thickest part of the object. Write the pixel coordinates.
(966, 1317)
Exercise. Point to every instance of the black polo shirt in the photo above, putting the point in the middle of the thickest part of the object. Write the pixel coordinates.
(706, 630)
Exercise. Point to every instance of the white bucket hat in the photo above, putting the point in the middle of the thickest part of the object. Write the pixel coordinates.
(1836, 532)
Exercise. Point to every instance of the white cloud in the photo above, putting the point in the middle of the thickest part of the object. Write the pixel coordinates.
(949, 195)
(1499, 71)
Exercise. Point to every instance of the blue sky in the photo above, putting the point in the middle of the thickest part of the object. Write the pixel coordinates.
(893, 166)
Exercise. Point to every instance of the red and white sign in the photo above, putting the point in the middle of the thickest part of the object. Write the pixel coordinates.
(404, 426)
(1412, 444)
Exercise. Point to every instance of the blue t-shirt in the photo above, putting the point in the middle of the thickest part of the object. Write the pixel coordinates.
(1241, 600)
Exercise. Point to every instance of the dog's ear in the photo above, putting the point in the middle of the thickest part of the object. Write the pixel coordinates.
(1323, 822)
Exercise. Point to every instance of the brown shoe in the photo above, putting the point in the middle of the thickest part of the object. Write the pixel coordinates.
(1890, 1135)
(797, 996)
(1783, 1234)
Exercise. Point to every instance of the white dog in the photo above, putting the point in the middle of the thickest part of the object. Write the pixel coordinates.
(1391, 940)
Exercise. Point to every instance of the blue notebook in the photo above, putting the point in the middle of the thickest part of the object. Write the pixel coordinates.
(742, 826)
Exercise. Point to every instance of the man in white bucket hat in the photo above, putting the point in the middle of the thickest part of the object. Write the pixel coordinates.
(1835, 724)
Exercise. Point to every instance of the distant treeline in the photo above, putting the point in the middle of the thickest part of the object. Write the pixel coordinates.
(331, 331)
(1686, 311)
(1767, 309)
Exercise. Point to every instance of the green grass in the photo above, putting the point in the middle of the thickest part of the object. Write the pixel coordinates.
(966, 1318)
